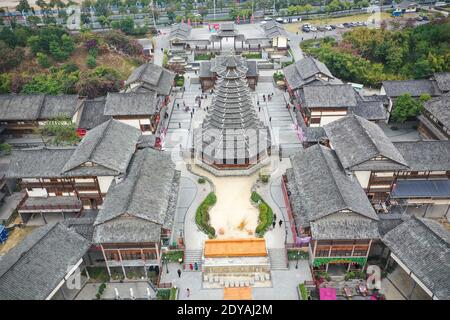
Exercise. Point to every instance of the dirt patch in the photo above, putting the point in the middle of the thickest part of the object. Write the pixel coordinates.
(15, 237)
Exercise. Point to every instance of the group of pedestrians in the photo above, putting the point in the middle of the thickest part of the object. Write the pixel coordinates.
(274, 222)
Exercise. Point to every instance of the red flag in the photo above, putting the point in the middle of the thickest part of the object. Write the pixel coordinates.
(244, 18)
(251, 19)
(238, 19)
(182, 21)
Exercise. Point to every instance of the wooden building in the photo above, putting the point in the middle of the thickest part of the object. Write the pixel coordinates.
(60, 182)
(232, 136)
(140, 110)
(23, 114)
(328, 211)
(178, 36)
(136, 220)
(435, 118)
(277, 36)
(420, 255)
(410, 172)
(44, 264)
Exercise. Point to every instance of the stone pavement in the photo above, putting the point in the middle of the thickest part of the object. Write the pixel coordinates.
(284, 283)
(139, 290)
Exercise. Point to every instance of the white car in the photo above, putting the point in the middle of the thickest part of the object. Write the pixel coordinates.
(340, 26)
(285, 21)
(280, 20)
(263, 22)
(313, 29)
(267, 18)
(295, 20)
(328, 28)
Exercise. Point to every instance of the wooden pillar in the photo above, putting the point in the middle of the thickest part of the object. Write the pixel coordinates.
(43, 217)
(106, 260)
(121, 263)
(157, 252)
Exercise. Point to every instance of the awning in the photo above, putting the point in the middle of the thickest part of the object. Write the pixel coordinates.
(327, 293)
(421, 189)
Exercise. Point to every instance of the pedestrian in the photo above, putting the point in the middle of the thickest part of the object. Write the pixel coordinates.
(191, 114)
(179, 273)
(270, 119)
(195, 266)
(179, 125)
(273, 224)
(259, 109)
(191, 266)
(257, 103)
(188, 292)
(294, 108)
(274, 217)
(280, 222)
(162, 50)
(178, 106)
(287, 105)
(302, 38)
(184, 104)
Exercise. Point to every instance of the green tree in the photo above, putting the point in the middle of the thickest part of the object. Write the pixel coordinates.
(405, 107)
(43, 60)
(5, 82)
(61, 130)
(23, 6)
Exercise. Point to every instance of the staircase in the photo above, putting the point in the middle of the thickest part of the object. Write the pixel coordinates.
(191, 257)
(278, 259)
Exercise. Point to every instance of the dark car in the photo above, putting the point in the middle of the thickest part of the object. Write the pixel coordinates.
(306, 29)
(333, 26)
(346, 24)
(425, 18)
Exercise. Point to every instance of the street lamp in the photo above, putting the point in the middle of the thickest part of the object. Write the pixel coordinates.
(298, 255)
(167, 264)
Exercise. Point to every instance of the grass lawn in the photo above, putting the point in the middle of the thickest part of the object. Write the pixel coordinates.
(294, 27)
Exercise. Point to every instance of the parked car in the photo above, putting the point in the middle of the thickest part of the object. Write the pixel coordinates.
(425, 18)
(296, 19)
(332, 26)
(321, 28)
(346, 25)
(263, 22)
(267, 18)
(340, 26)
(279, 20)
(313, 29)
(285, 21)
(306, 28)
(328, 28)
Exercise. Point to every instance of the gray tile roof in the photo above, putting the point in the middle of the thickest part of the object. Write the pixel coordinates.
(38, 162)
(357, 140)
(152, 77)
(442, 81)
(180, 31)
(145, 199)
(423, 245)
(439, 107)
(35, 267)
(328, 96)
(319, 187)
(344, 229)
(83, 225)
(20, 107)
(110, 146)
(37, 106)
(426, 155)
(370, 108)
(131, 104)
(92, 114)
(273, 29)
(396, 88)
(305, 71)
(54, 106)
(208, 69)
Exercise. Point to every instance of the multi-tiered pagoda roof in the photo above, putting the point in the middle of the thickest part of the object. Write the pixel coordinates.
(232, 132)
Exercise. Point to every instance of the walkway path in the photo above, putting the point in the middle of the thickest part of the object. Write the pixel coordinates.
(277, 116)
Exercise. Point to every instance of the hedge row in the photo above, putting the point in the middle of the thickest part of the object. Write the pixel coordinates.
(202, 215)
(265, 219)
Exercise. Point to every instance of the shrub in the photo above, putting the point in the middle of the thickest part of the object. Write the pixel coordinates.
(173, 255)
(173, 293)
(303, 292)
(43, 60)
(163, 294)
(5, 82)
(265, 218)
(201, 180)
(293, 254)
(91, 62)
(5, 148)
(252, 55)
(202, 215)
(278, 76)
(203, 56)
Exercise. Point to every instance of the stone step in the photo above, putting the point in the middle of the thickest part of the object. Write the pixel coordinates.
(192, 257)
(278, 259)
